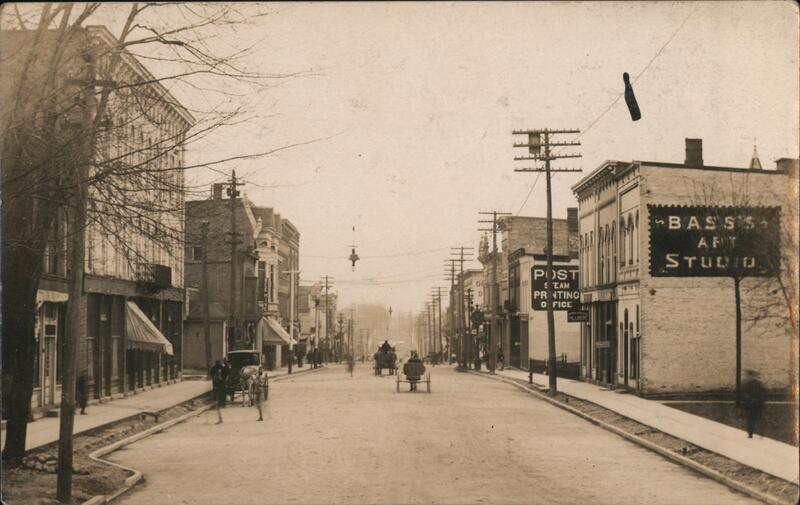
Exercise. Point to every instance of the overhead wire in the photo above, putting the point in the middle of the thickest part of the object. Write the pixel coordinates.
(616, 100)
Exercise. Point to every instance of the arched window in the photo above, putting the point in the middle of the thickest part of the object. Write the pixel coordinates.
(613, 272)
(630, 240)
(590, 252)
(607, 250)
(581, 258)
(622, 242)
(636, 234)
(601, 255)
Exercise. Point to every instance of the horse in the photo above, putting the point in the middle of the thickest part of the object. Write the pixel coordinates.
(246, 383)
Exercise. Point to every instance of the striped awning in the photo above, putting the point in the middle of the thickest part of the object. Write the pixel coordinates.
(271, 333)
(141, 333)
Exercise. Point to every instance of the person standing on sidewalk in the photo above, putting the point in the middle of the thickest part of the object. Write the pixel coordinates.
(500, 358)
(261, 386)
(752, 400)
(82, 390)
(219, 388)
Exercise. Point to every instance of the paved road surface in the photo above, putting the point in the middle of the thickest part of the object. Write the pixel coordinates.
(331, 438)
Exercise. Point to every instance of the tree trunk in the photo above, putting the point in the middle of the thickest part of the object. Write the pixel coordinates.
(22, 251)
(19, 345)
(737, 290)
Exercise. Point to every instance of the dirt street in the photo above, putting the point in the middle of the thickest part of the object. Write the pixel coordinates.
(330, 438)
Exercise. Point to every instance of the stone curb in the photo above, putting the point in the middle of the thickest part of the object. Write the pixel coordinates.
(137, 476)
(677, 458)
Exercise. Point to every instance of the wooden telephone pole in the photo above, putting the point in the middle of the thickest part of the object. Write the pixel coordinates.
(437, 300)
(233, 194)
(204, 287)
(459, 254)
(450, 274)
(292, 272)
(538, 141)
(494, 336)
(327, 279)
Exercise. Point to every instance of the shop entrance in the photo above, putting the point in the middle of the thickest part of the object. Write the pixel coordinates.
(606, 342)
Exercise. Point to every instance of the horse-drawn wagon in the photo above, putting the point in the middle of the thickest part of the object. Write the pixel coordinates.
(385, 359)
(244, 367)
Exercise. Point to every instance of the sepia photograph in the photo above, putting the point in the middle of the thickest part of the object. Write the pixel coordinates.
(400, 253)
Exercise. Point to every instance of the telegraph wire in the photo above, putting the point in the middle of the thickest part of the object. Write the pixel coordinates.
(616, 100)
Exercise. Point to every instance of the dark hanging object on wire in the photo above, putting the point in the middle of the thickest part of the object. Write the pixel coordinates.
(630, 99)
(353, 256)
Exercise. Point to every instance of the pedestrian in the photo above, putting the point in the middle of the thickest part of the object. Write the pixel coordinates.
(82, 390)
(219, 388)
(752, 400)
(226, 373)
(501, 358)
(261, 387)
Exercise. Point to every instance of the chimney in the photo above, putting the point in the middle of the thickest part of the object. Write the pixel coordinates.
(694, 153)
(216, 191)
(572, 219)
(786, 165)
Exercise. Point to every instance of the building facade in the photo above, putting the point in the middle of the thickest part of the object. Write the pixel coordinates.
(521, 238)
(656, 264)
(245, 309)
(132, 304)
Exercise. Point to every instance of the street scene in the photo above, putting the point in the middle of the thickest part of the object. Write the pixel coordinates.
(396, 253)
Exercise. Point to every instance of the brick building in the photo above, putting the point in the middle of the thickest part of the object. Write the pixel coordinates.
(522, 241)
(251, 316)
(655, 273)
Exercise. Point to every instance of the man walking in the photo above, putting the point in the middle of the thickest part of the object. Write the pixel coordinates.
(752, 400)
(261, 390)
(218, 387)
(500, 358)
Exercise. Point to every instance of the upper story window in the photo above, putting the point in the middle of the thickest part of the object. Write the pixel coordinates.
(613, 272)
(636, 236)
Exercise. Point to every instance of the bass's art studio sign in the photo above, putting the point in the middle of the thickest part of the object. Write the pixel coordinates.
(705, 241)
(566, 293)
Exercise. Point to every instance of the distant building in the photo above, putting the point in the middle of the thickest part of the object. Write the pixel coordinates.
(251, 316)
(522, 243)
(654, 272)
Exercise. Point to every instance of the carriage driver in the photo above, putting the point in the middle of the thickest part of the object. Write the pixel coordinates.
(385, 347)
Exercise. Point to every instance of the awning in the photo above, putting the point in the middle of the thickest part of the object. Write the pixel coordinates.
(271, 333)
(141, 333)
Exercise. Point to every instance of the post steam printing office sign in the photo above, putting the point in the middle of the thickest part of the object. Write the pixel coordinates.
(706, 241)
(566, 294)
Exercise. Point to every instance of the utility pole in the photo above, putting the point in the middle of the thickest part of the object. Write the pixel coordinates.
(206, 310)
(459, 253)
(233, 193)
(437, 301)
(77, 265)
(472, 344)
(292, 272)
(494, 336)
(451, 276)
(431, 322)
(327, 314)
(539, 140)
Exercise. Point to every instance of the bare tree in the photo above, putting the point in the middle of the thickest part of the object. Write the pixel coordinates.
(92, 150)
(748, 238)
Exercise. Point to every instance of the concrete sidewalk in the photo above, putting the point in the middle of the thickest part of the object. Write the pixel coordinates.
(770, 456)
(45, 430)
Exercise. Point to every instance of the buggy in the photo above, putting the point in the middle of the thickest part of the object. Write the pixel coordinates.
(414, 373)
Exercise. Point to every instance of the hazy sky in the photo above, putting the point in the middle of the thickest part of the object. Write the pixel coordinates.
(417, 103)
